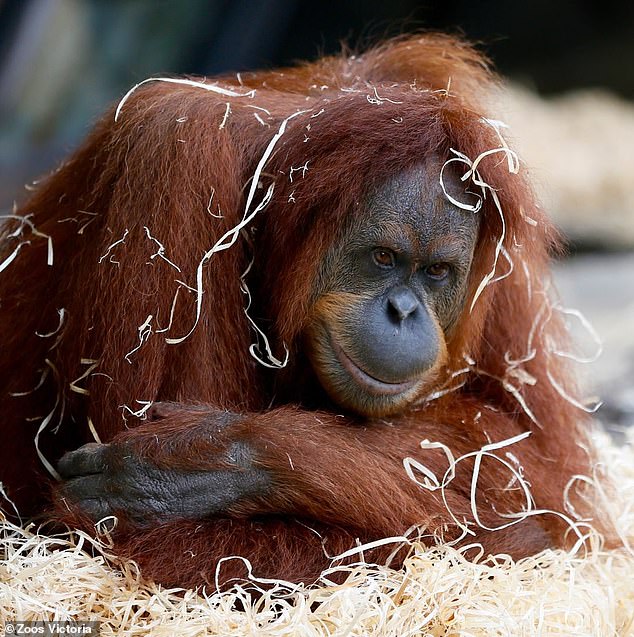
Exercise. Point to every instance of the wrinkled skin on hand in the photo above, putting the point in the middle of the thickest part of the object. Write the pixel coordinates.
(116, 479)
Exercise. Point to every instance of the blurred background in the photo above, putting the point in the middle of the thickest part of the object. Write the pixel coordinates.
(569, 99)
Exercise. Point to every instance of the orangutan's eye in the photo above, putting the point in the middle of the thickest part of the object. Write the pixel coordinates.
(438, 271)
(383, 257)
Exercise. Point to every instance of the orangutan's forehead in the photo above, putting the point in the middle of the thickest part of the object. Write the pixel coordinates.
(411, 208)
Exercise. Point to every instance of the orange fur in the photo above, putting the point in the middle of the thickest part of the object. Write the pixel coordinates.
(365, 118)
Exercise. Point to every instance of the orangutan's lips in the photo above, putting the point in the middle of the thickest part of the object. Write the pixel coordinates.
(362, 378)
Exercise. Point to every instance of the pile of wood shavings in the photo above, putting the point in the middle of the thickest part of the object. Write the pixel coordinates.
(438, 592)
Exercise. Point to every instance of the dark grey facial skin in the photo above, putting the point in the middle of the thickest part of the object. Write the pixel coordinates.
(404, 262)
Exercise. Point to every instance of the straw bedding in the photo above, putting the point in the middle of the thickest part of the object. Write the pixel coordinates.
(438, 591)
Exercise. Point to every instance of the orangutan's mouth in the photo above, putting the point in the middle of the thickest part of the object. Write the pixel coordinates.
(370, 383)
